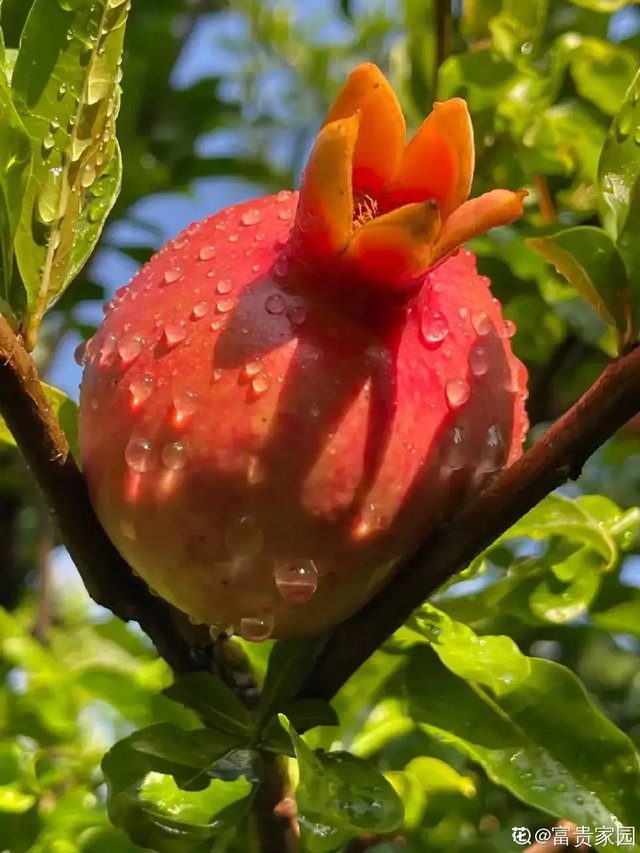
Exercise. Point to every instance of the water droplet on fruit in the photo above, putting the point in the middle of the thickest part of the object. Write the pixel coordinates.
(80, 354)
(457, 392)
(297, 315)
(255, 471)
(463, 312)
(141, 388)
(185, 403)
(176, 332)
(225, 305)
(283, 195)
(454, 455)
(199, 310)
(128, 529)
(286, 214)
(172, 274)
(251, 217)
(206, 253)
(139, 455)
(478, 361)
(261, 383)
(255, 268)
(243, 537)
(493, 455)
(283, 238)
(434, 328)
(255, 365)
(481, 323)
(297, 581)
(130, 348)
(174, 456)
(108, 349)
(233, 238)
(257, 629)
(281, 266)
(224, 285)
(216, 375)
(275, 304)
(509, 328)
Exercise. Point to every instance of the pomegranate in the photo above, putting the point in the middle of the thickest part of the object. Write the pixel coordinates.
(288, 396)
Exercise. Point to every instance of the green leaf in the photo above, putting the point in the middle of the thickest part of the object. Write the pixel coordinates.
(303, 714)
(289, 664)
(218, 706)
(560, 516)
(15, 168)
(424, 776)
(518, 28)
(342, 792)
(155, 809)
(588, 259)
(65, 84)
(619, 165)
(65, 410)
(603, 5)
(495, 662)
(602, 71)
(544, 739)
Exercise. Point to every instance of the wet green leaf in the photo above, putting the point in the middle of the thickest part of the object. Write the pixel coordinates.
(495, 662)
(619, 165)
(173, 790)
(65, 410)
(588, 259)
(343, 792)
(572, 763)
(65, 84)
(218, 706)
(15, 168)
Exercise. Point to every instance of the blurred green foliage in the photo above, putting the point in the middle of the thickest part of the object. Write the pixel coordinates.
(509, 700)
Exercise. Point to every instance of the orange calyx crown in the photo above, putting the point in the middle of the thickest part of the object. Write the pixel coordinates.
(387, 210)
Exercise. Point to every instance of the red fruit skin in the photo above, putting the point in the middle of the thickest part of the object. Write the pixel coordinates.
(351, 444)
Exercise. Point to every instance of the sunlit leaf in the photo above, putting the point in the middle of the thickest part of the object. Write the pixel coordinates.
(619, 165)
(65, 410)
(588, 259)
(343, 792)
(69, 105)
(172, 790)
(424, 776)
(572, 763)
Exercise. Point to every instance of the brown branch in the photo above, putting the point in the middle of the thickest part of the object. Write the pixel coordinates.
(444, 23)
(106, 574)
(545, 199)
(558, 455)
(274, 811)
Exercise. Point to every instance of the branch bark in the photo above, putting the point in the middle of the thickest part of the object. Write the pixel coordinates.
(107, 576)
(557, 456)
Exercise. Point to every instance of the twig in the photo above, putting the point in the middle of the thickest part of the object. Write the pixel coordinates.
(444, 22)
(106, 575)
(545, 199)
(274, 811)
(558, 455)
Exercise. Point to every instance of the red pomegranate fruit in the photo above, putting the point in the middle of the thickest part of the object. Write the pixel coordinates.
(288, 396)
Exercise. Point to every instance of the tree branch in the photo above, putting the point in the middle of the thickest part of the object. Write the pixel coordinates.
(106, 574)
(444, 22)
(557, 456)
